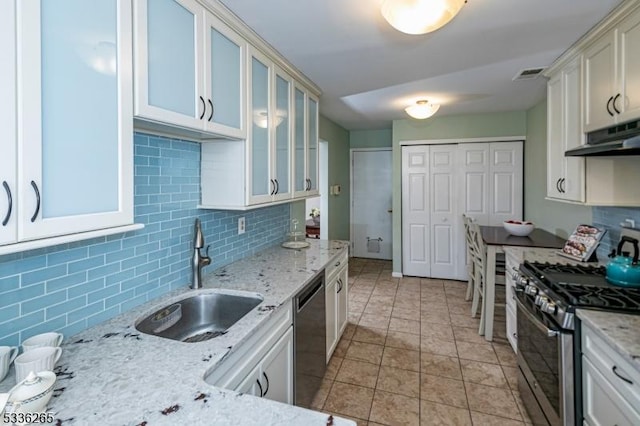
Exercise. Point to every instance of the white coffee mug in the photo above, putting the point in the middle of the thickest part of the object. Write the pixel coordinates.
(41, 340)
(7, 355)
(36, 360)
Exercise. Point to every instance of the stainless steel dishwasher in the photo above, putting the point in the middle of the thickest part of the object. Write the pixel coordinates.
(310, 341)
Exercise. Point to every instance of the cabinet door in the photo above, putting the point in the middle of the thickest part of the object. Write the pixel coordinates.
(225, 55)
(599, 83)
(8, 141)
(603, 405)
(260, 181)
(277, 370)
(312, 150)
(342, 301)
(572, 186)
(555, 143)
(251, 384)
(300, 145)
(330, 312)
(282, 136)
(629, 73)
(74, 90)
(169, 65)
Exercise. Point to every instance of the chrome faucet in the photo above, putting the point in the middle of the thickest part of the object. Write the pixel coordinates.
(199, 261)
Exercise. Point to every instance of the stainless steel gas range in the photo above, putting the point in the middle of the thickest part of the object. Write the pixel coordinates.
(549, 354)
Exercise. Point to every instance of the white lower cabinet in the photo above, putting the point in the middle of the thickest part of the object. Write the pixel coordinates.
(611, 385)
(263, 365)
(337, 297)
(510, 292)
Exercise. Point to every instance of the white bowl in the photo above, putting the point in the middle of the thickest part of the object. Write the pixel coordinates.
(519, 228)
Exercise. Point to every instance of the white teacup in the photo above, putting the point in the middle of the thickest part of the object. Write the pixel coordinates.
(7, 355)
(41, 340)
(36, 360)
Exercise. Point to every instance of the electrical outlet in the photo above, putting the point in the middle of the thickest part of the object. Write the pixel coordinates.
(241, 224)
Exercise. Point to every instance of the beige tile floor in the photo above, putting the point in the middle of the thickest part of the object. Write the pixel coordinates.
(411, 355)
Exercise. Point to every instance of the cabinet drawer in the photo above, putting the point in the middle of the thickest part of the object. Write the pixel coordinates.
(335, 264)
(611, 365)
(603, 405)
(245, 357)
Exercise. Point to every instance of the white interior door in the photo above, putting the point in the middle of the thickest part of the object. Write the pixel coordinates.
(371, 203)
(505, 197)
(415, 211)
(474, 188)
(443, 218)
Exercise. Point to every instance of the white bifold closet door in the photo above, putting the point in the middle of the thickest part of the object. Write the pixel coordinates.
(429, 219)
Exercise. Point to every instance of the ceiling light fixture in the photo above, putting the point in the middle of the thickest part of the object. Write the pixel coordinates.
(420, 16)
(422, 109)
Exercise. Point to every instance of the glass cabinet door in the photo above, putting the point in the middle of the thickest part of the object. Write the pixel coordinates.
(312, 153)
(260, 181)
(299, 131)
(75, 118)
(168, 62)
(282, 145)
(225, 92)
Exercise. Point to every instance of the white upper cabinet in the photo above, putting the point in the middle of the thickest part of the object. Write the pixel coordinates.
(74, 106)
(565, 175)
(281, 166)
(305, 135)
(189, 68)
(8, 141)
(612, 76)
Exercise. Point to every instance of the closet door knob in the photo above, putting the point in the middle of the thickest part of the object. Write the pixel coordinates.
(9, 203)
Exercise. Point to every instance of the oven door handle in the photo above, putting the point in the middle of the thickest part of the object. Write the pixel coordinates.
(549, 332)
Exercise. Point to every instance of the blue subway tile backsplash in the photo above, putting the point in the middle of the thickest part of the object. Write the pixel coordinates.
(71, 287)
(610, 219)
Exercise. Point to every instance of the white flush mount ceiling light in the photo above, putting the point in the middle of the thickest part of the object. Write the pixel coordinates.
(420, 16)
(422, 109)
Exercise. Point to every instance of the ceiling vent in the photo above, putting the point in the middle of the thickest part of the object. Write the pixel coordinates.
(529, 73)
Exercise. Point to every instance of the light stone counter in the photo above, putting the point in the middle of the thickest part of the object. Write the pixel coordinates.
(620, 331)
(111, 374)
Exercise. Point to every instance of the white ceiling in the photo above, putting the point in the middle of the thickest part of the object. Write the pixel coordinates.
(369, 72)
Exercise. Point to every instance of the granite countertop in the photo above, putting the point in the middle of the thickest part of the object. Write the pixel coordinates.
(620, 331)
(111, 374)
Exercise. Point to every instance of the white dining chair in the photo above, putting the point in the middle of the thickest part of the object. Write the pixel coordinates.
(466, 220)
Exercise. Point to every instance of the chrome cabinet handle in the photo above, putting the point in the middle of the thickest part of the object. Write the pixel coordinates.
(273, 187)
(558, 185)
(608, 105)
(37, 191)
(204, 107)
(615, 371)
(613, 104)
(9, 202)
(277, 186)
(211, 104)
(260, 386)
(562, 181)
(267, 379)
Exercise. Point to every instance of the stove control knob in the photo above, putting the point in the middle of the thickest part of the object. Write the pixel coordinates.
(548, 307)
(531, 290)
(540, 300)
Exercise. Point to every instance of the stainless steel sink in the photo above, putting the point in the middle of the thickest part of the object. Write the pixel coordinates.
(198, 318)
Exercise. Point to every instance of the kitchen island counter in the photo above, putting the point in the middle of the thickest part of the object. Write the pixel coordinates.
(111, 374)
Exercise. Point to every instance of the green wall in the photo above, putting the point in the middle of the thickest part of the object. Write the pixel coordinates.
(370, 138)
(450, 127)
(338, 139)
(556, 217)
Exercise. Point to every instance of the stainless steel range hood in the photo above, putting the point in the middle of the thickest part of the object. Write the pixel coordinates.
(622, 139)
